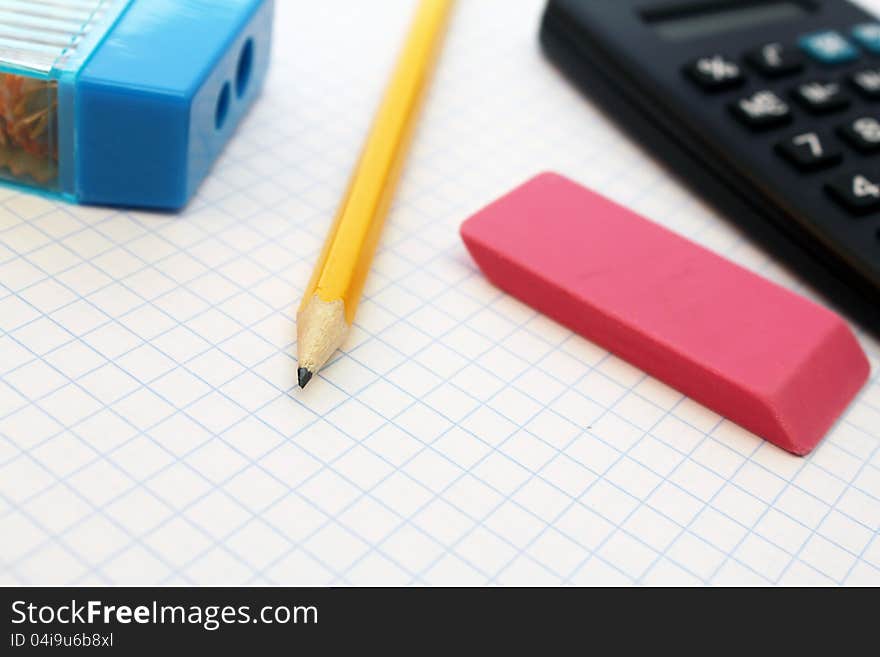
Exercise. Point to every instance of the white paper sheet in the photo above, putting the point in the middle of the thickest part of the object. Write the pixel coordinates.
(150, 430)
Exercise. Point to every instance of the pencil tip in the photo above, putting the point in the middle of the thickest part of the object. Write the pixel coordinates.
(304, 377)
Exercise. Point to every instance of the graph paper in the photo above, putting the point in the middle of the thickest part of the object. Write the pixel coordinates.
(150, 427)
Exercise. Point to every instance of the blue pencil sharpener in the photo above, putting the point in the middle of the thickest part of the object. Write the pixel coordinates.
(125, 102)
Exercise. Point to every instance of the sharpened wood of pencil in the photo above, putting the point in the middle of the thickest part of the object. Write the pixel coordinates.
(331, 299)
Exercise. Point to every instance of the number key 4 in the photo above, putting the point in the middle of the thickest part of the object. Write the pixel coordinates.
(858, 192)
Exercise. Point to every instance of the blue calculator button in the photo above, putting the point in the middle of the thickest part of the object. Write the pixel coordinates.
(867, 35)
(829, 47)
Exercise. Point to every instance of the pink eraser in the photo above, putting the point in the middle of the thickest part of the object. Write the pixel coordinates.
(775, 363)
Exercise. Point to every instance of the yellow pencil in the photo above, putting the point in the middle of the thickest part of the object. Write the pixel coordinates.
(330, 301)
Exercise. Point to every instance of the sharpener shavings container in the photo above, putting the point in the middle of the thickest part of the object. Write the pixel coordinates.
(125, 102)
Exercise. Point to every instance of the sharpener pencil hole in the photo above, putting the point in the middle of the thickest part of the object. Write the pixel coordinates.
(222, 107)
(245, 67)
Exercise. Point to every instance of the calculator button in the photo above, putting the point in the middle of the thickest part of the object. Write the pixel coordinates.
(821, 97)
(858, 192)
(867, 82)
(809, 151)
(828, 47)
(762, 110)
(867, 36)
(862, 133)
(715, 73)
(774, 60)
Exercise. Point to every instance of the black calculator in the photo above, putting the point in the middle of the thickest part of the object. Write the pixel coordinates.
(768, 108)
